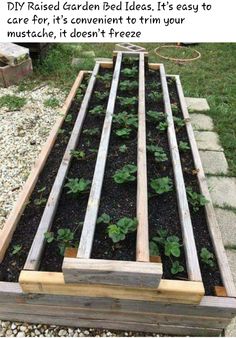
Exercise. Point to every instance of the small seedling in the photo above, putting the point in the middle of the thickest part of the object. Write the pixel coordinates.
(123, 148)
(155, 96)
(78, 154)
(61, 131)
(153, 248)
(161, 185)
(155, 116)
(125, 120)
(104, 218)
(64, 238)
(78, 186)
(196, 200)
(176, 268)
(12, 102)
(52, 103)
(207, 257)
(41, 200)
(128, 85)
(158, 152)
(68, 118)
(91, 132)
(16, 249)
(179, 122)
(117, 232)
(123, 132)
(97, 111)
(127, 102)
(162, 126)
(126, 174)
(183, 146)
(174, 108)
(130, 72)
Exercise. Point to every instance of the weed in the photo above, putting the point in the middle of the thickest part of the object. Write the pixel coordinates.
(154, 116)
(207, 257)
(41, 200)
(196, 200)
(12, 102)
(126, 174)
(52, 103)
(16, 249)
(183, 146)
(117, 232)
(158, 152)
(161, 185)
(91, 131)
(78, 186)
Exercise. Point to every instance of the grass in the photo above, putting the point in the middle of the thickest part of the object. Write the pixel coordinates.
(213, 76)
(12, 102)
(52, 102)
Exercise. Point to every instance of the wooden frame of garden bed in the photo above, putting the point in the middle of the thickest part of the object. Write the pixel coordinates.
(44, 297)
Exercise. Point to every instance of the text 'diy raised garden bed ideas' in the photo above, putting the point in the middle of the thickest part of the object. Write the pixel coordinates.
(117, 206)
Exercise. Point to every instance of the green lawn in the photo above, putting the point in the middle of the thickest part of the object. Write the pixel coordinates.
(213, 76)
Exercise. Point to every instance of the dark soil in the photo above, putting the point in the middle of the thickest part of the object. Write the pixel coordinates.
(71, 210)
(163, 209)
(211, 276)
(26, 229)
(118, 200)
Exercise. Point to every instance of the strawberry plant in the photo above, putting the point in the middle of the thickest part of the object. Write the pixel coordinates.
(77, 186)
(207, 257)
(117, 232)
(161, 185)
(127, 102)
(183, 146)
(128, 85)
(154, 116)
(176, 268)
(91, 131)
(123, 132)
(16, 249)
(179, 122)
(158, 152)
(123, 148)
(155, 96)
(64, 239)
(78, 154)
(174, 108)
(104, 218)
(125, 120)
(162, 126)
(196, 200)
(101, 96)
(106, 78)
(126, 174)
(130, 72)
(97, 111)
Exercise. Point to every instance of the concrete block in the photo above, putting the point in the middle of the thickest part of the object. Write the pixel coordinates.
(227, 222)
(12, 75)
(214, 162)
(197, 104)
(201, 122)
(12, 54)
(208, 140)
(223, 190)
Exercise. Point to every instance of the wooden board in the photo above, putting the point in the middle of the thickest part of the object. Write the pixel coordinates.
(86, 239)
(36, 250)
(168, 291)
(9, 227)
(111, 272)
(142, 243)
(191, 256)
(212, 223)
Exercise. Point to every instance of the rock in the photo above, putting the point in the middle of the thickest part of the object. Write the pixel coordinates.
(20, 334)
(13, 326)
(9, 333)
(197, 104)
(62, 333)
(23, 328)
(86, 332)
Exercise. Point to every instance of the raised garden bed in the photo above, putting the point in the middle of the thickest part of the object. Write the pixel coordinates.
(118, 215)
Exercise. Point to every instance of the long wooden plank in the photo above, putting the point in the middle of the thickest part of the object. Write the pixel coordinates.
(109, 272)
(192, 262)
(142, 243)
(9, 227)
(86, 240)
(212, 223)
(168, 290)
(35, 253)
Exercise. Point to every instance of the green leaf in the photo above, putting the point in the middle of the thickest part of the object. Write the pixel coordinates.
(104, 218)
(123, 148)
(77, 186)
(49, 236)
(126, 174)
(154, 250)
(16, 249)
(115, 233)
(161, 185)
(176, 268)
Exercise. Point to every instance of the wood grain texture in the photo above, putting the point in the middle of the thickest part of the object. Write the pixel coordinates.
(142, 243)
(110, 272)
(9, 227)
(191, 256)
(36, 250)
(86, 239)
(212, 223)
(185, 292)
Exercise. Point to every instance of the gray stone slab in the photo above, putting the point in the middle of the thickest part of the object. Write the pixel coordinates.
(197, 104)
(230, 331)
(223, 190)
(103, 59)
(201, 122)
(214, 162)
(227, 222)
(208, 140)
(89, 54)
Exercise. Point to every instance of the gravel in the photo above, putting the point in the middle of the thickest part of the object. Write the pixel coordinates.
(22, 134)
